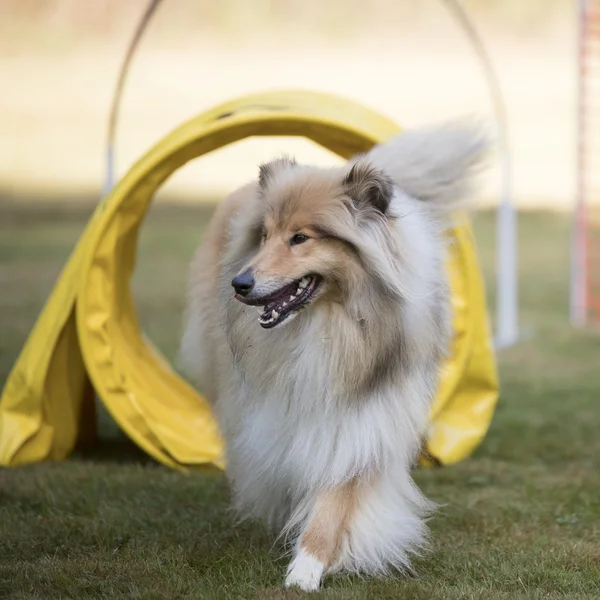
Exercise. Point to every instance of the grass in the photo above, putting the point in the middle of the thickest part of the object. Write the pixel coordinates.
(521, 517)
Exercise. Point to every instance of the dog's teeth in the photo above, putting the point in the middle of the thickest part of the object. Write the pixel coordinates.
(299, 291)
(292, 298)
(304, 282)
(284, 304)
(275, 314)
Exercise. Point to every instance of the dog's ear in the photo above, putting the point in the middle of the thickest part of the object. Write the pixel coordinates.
(268, 170)
(368, 187)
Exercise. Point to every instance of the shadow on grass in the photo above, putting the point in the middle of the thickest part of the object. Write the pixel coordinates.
(119, 450)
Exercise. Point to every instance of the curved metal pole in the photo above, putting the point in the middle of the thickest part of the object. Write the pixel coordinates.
(507, 331)
(507, 328)
(116, 102)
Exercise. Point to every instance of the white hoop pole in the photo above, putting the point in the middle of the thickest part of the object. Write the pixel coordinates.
(116, 100)
(507, 293)
(578, 279)
(507, 332)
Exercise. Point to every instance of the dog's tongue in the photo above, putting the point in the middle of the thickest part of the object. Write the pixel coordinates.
(279, 306)
(284, 299)
(285, 294)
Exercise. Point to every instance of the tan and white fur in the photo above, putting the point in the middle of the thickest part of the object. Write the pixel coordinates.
(324, 414)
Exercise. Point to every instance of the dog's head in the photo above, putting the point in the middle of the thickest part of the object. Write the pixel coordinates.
(307, 237)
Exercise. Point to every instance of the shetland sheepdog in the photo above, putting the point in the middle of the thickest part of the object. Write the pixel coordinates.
(318, 317)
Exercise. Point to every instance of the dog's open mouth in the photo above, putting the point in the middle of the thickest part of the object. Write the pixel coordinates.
(288, 300)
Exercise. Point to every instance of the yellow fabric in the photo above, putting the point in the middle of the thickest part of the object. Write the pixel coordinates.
(89, 328)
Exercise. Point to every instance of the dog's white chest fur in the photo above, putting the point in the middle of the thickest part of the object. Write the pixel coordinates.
(295, 425)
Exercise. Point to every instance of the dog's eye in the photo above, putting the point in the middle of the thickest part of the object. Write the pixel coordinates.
(298, 238)
(263, 235)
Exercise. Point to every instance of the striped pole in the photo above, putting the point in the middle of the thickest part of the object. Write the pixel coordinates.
(578, 292)
(585, 232)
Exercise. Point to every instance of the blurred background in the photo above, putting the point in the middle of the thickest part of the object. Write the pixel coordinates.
(59, 61)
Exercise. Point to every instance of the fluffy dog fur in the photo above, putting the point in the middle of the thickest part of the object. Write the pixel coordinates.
(324, 415)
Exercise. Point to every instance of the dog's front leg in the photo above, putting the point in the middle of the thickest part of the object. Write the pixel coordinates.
(319, 543)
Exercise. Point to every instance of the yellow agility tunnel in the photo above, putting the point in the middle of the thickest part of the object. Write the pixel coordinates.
(87, 337)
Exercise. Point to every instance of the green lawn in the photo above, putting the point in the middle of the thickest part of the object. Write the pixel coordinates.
(521, 517)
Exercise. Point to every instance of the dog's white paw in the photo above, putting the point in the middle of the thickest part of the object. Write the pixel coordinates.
(305, 572)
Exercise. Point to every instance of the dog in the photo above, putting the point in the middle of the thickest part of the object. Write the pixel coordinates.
(317, 319)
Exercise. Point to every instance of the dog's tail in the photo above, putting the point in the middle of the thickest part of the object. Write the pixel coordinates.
(436, 165)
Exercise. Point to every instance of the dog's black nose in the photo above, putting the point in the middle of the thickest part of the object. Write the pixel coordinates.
(243, 283)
